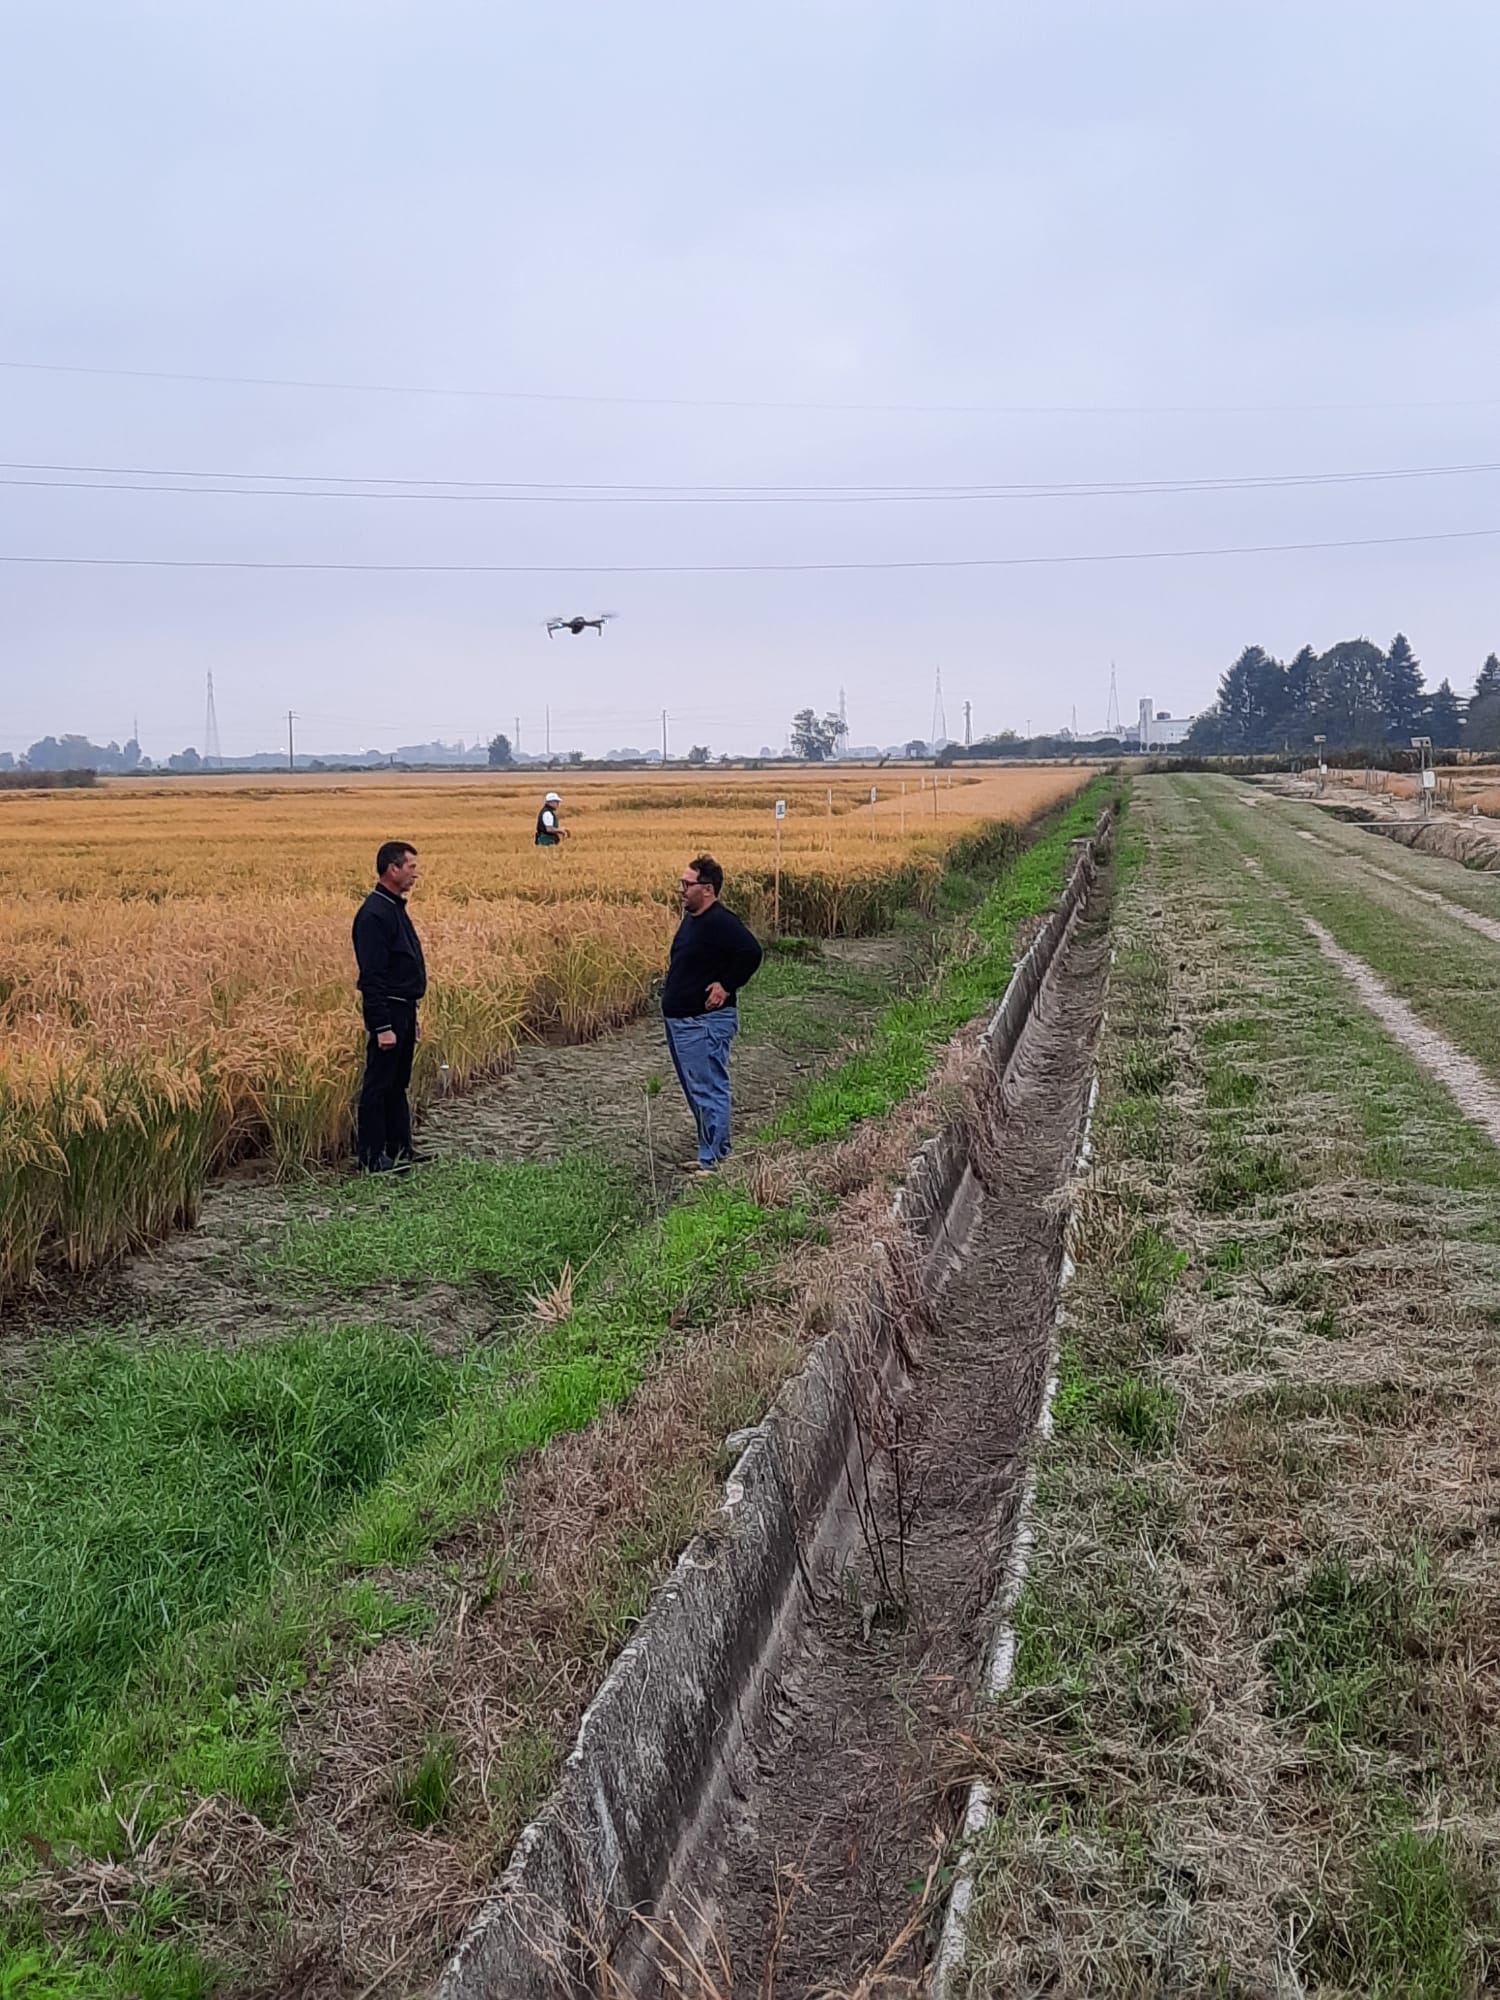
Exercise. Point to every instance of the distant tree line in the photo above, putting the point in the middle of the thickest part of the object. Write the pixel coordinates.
(1009, 744)
(1354, 695)
(76, 753)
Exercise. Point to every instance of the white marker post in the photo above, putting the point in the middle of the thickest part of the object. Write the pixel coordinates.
(1427, 780)
(872, 812)
(776, 892)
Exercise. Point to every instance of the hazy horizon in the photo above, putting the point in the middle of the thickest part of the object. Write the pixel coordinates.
(831, 245)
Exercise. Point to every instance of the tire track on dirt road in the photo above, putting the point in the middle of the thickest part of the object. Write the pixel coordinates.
(1482, 926)
(1473, 1092)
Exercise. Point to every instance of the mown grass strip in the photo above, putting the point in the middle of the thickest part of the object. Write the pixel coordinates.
(1247, 1674)
(1448, 975)
(904, 1046)
(513, 1224)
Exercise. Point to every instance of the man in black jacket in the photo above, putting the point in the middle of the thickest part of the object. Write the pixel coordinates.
(713, 956)
(392, 982)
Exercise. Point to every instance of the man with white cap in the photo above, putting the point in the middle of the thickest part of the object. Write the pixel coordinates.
(549, 827)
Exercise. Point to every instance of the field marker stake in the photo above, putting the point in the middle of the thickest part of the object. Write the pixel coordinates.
(776, 892)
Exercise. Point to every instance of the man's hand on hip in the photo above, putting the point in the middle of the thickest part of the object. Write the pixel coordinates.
(716, 995)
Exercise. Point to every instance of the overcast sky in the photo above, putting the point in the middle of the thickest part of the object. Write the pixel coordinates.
(1245, 238)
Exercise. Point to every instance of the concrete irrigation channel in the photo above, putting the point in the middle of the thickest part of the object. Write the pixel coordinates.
(771, 1764)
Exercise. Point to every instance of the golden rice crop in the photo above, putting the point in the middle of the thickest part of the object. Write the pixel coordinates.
(176, 980)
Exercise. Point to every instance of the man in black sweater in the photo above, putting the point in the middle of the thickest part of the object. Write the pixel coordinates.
(392, 982)
(713, 956)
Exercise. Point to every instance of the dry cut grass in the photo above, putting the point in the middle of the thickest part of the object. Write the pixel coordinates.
(1246, 1748)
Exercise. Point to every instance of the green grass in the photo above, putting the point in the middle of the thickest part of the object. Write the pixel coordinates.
(1402, 1936)
(237, 1574)
(901, 1051)
(514, 1225)
(134, 1958)
(149, 1488)
(1140, 1414)
(1346, 1646)
(1242, 1174)
(427, 1786)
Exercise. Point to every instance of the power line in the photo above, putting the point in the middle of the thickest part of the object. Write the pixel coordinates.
(740, 402)
(737, 568)
(338, 486)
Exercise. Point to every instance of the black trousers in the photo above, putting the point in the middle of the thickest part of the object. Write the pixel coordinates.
(384, 1114)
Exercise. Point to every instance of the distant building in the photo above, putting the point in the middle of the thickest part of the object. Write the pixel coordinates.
(1158, 730)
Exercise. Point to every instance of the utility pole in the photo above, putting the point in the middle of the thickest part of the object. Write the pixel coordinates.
(664, 736)
(212, 754)
(291, 747)
(1112, 719)
(515, 741)
(968, 724)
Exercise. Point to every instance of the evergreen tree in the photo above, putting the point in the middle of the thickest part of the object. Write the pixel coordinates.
(1349, 683)
(1482, 721)
(1206, 736)
(1298, 691)
(1445, 718)
(1404, 694)
(1250, 700)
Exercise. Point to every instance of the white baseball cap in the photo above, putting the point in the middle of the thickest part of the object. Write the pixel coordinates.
(552, 799)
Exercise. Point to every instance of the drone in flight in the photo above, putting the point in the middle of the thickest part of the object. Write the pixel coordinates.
(577, 625)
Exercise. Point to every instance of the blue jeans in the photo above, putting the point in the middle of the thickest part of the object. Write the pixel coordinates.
(700, 1055)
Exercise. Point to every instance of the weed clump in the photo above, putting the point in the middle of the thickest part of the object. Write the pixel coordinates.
(426, 1787)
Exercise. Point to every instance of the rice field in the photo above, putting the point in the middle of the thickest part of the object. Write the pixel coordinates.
(176, 980)
(1460, 787)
